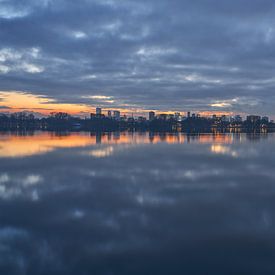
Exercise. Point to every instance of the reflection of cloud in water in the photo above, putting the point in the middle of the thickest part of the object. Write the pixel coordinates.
(150, 209)
(11, 186)
(4, 178)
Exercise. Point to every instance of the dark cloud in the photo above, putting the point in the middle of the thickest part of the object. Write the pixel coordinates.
(4, 107)
(165, 55)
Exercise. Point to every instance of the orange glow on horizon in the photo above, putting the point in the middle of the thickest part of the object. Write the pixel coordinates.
(22, 101)
(19, 101)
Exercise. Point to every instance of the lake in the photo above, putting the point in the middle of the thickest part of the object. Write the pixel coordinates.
(137, 203)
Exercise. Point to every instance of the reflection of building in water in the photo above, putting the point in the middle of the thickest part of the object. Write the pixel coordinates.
(151, 136)
(14, 144)
(116, 135)
(162, 136)
(98, 138)
(256, 136)
(223, 150)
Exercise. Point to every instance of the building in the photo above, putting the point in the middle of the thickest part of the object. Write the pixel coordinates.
(98, 111)
(152, 116)
(163, 116)
(265, 119)
(177, 116)
(253, 119)
(238, 119)
(170, 116)
(117, 115)
(123, 118)
(225, 118)
(109, 114)
(188, 114)
(141, 119)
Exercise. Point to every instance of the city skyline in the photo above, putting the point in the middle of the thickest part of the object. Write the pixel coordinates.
(18, 101)
(133, 56)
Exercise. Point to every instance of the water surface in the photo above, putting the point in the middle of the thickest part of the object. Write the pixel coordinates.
(137, 203)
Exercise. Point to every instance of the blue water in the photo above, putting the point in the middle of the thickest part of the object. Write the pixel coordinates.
(126, 203)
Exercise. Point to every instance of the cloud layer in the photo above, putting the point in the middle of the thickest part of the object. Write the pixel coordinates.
(207, 55)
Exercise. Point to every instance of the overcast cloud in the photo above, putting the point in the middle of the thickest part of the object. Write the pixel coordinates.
(203, 55)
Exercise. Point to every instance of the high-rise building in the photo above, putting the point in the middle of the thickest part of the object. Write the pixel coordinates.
(238, 118)
(152, 116)
(117, 115)
(224, 118)
(98, 111)
(177, 116)
(253, 119)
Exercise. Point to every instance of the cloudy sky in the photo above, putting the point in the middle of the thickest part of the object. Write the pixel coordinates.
(166, 55)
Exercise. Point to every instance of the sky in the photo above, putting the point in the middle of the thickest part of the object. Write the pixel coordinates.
(208, 56)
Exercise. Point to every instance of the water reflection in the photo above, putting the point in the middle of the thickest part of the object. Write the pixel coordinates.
(27, 144)
(225, 150)
(124, 203)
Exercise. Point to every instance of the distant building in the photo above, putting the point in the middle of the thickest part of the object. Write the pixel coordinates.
(131, 119)
(98, 111)
(141, 119)
(194, 115)
(170, 116)
(123, 118)
(224, 118)
(265, 119)
(117, 115)
(253, 119)
(109, 114)
(238, 118)
(152, 116)
(177, 116)
(163, 116)
(188, 114)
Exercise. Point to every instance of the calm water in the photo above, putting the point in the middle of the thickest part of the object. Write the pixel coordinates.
(137, 204)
